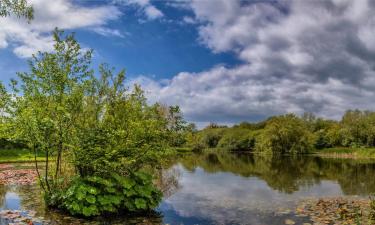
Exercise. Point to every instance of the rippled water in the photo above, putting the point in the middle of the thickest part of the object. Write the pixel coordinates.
(225, 188)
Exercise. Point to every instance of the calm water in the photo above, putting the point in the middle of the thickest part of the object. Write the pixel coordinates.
(225, 188)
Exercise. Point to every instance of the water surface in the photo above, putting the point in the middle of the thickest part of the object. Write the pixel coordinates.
(227, 188)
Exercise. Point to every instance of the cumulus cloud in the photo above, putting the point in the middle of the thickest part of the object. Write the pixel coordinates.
(29, 38)
(316, 56)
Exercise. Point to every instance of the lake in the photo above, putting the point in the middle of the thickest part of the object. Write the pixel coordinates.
(228, 188)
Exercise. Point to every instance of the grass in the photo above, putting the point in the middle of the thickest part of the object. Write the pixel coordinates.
(17, 155)
(348, 152)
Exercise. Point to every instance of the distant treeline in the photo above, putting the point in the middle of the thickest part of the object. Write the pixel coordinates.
(289, 134)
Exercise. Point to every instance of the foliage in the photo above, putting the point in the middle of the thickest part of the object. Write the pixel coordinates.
(20, 8)
(47, 104)
(18, 155)
(237, 139)
(194, 141)
(285, 134)
(118, 130)
(177, 127)
(94, 195)
(98, 125)
(290, 134)
(210, 137)
(322, 140)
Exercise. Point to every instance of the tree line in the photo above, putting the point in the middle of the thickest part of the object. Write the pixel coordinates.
(289, 134)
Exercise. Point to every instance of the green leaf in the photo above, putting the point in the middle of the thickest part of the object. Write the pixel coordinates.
(90, 211)
(110, 189)
(90, 199)
(127, 183)
(92, 190)
(74, 206)
(140, 203)
(80, 193)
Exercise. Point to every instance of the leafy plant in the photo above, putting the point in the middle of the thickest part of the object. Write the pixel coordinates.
(94, 195)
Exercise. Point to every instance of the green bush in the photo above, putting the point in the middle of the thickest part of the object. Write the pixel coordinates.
(210, 137)
(321, 140)
(93, 196)
(237, 139)
(285, 134)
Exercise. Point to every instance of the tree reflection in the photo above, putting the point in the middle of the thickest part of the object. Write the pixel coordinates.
(289, 173)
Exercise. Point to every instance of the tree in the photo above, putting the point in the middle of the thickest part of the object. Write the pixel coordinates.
(237, 139)
(285, 134)
(104, 131)
(20, 8)
(177, 127)
(118, 130)
(50, 100)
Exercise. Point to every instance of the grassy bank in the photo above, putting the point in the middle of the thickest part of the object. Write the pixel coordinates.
(347, 152)
(17, 155)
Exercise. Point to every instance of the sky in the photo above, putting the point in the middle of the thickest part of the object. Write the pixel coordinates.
(221, 61)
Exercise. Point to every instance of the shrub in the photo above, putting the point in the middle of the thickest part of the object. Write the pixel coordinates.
(321, 140)
(236, 139)
(194, 141)
(93, 196)
(210, 137)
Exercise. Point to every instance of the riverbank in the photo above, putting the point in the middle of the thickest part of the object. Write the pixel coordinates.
(17, 155)
(338, 152)
(357, 153)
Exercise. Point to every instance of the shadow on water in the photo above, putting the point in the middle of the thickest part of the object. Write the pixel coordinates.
(228, 188)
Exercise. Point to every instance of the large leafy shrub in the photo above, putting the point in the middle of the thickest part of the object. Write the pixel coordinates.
(94, 195)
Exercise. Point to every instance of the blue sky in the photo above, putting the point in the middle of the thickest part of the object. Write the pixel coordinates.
(221, 61)
(157, 48)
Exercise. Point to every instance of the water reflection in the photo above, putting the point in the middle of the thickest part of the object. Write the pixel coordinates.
(289, 174)
(225, 188)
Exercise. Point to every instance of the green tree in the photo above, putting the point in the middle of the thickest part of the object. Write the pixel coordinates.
(285, 134)
(104, 130)
(20, 8)
(118, 130)
(237, 139)
(49, 101)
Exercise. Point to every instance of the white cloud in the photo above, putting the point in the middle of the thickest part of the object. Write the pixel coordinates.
(108, 32)
(64, 14)
(316, 56)
(152, 12)
(149, 10)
